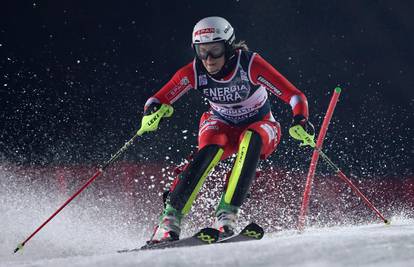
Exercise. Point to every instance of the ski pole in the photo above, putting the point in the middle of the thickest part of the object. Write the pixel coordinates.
(99, 172)
(149, 124)
(353, 187)
(308, 140)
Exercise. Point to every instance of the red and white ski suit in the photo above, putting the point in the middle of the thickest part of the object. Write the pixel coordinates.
(238, 102)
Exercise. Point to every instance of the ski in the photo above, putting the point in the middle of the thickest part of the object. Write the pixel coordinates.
(251, 232)
(203, 237)
(206, 236)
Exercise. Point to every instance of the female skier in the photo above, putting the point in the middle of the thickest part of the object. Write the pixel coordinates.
(235, 81)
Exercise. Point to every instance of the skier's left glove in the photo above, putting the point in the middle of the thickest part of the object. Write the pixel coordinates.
(301, 129)
(153, 115)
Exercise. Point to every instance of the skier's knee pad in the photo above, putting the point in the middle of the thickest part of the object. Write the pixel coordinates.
(193, 177)
(244, 169)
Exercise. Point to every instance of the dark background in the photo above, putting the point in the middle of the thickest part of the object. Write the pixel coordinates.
(76, 74)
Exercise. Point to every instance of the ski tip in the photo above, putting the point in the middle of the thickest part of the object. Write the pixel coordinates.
(157, 245)
(253, 230)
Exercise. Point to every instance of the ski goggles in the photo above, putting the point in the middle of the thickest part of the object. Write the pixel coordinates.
(214, 50)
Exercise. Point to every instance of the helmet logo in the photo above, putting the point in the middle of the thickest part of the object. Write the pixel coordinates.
(204, 31)
(227, 29)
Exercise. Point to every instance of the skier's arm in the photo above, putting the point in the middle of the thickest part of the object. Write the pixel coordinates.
(180, 83)
(261, 72)
(159, 105)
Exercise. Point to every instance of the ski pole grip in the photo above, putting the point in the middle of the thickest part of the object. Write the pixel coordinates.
(150, 122)
(168, 110)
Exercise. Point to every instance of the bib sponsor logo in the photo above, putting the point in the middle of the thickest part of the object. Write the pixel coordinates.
(236, 119)
(228, 94)
(243, 76)
(234, 111)
(202, 80)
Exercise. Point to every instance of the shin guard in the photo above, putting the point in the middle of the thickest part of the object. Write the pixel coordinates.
(192, 178)
(243, 172)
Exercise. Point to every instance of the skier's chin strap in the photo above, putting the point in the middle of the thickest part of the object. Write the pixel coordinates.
(192, 178)
(243, 171)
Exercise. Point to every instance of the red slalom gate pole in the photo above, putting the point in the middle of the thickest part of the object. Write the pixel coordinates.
(315, 157)
(99, 172)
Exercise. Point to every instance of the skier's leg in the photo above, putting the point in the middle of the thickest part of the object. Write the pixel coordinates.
(193, 177)
(258, 141)
(244, 168)
(213, 146)
(241, 177)
(184, 192)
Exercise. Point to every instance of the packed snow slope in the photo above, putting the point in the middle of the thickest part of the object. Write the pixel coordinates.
(89, 231)
(368, 245)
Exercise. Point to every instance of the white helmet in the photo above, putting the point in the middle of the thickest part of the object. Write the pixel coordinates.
(213, 29)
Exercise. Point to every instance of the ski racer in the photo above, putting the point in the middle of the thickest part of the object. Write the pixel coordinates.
(236, 82)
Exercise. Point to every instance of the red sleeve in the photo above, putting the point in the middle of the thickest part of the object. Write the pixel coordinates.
(261, 72)
(180, 83)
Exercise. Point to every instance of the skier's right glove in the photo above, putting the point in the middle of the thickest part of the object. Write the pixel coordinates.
(303, 130)
(153, 115)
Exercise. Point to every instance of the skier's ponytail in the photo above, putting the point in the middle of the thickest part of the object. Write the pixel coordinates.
(240, 45)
